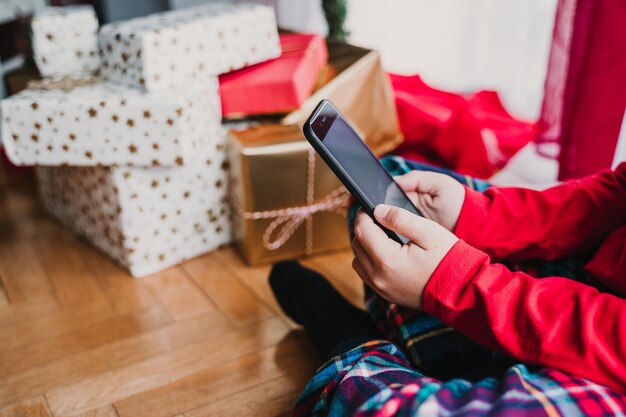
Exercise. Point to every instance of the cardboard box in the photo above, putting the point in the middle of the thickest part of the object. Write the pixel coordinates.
(174, 48)
(64, 41)
(277, 86)
(102, 123)
(146, 219)
(287, 202)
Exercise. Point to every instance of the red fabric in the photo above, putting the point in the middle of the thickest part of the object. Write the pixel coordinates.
(473, 135)
(277, 86)
(585, 92)
(554, 322)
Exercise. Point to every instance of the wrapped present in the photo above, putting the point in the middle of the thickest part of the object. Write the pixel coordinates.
(173, 48)
(287, 202)
(354, 80)
(87, 122)
(277, 86)
(64, 41)
(146, 219)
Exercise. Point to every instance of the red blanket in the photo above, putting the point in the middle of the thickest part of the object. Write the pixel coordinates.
(473, 135)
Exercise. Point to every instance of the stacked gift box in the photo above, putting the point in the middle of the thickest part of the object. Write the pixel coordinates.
(137, 161)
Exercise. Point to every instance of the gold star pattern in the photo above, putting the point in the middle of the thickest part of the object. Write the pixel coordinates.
(34, 138)
(88, 155)
(155, 146)
(34, 105)
(130, 122)
(132, 149)
(146, 114)
(72, 137)
(37, 126)
(170, 122)
(115, 118)
(186, 194)
(179, 160)
(154, 184)
(92, 112)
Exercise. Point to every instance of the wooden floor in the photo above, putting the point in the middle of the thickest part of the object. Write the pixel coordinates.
(80, 337)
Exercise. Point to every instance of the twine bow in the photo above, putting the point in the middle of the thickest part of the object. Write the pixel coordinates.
(288, 220)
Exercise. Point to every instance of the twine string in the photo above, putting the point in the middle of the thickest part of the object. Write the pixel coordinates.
(286, 221)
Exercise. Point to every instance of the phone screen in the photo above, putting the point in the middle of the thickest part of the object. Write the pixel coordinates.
(358, 161)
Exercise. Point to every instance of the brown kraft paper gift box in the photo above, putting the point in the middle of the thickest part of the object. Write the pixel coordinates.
(355, 81)
(273, 177)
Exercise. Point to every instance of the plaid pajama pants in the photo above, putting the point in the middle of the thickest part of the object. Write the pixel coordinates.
(424, 367)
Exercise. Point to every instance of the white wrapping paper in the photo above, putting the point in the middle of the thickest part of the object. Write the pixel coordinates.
(65, 41)
(146, 219)
(108, 124)
(173, 48)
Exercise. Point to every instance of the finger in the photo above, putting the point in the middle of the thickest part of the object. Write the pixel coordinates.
(421, 181)
(363, 256)
(356, 265)
(373, 239)
(421, 231)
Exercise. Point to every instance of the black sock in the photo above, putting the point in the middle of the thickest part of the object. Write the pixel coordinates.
(333, 324)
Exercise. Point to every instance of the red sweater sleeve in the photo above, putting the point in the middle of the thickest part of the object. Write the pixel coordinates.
(552, 322)
(567, 220)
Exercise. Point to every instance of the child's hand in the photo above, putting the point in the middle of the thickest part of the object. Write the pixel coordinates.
(438, 196)
(397, 272)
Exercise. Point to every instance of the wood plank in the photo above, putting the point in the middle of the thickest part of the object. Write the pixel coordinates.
(268, 399)
(23, 276)
(70, 277)
(52, 324)
(4, 298)
(57, 346)
(178, 294)
(294, 352)
(223, 286)
(127, 294)
(17, 313)
(254, 277)
(87, 363)
(106, 411)
(161, 370)
(35, 407)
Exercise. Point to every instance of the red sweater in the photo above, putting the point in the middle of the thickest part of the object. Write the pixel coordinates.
(553, 322)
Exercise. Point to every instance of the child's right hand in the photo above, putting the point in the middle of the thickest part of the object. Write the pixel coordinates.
(438, 196)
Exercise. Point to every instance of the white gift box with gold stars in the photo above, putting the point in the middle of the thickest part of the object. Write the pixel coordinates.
(64, 41)
(107, 124)
(142, 176)
(169, 49)
(146, 219)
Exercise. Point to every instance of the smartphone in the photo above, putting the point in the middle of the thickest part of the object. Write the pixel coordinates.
(353, 162)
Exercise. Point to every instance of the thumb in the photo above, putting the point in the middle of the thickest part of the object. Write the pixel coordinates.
(416, 228)
(420, 181)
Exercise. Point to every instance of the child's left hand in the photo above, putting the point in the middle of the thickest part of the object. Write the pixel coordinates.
(399, 273)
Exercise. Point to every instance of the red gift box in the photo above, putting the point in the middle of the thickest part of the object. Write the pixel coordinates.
(277, 86)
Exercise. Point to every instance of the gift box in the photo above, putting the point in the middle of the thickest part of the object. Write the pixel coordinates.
(354, 80)
(286, 201)
(88, 122)
(64, 41)
(277, 86)
(146, 219)
(174, 48)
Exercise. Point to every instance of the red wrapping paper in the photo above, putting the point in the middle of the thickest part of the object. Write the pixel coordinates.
(473, 135)
(277, 86)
